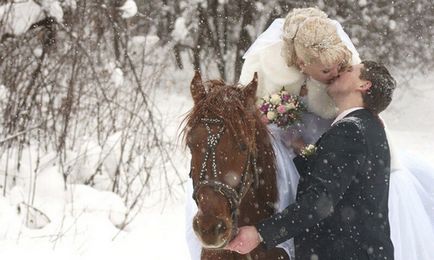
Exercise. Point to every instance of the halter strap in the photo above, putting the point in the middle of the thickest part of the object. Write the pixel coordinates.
(233, 196)
(212, 141)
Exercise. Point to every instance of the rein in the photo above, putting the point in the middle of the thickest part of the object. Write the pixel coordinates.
(234, 196)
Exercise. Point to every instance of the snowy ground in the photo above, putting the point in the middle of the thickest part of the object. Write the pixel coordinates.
(158, 232)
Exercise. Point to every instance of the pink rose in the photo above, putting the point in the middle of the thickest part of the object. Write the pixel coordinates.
(281, 109)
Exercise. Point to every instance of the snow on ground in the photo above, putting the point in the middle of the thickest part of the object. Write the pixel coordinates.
(88, 228)
(158, 231)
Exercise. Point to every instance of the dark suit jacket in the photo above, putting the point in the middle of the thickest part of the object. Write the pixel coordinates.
(341, 210)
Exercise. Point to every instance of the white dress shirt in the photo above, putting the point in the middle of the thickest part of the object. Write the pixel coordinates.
(345, 113)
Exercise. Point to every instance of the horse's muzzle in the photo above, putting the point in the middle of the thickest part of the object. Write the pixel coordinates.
(214, 233)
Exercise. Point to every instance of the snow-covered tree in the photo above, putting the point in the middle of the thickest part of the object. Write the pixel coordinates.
(216, 33)
(78, 85)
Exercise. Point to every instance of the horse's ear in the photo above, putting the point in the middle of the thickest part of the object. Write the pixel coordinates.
(250, 90)
(196, 88)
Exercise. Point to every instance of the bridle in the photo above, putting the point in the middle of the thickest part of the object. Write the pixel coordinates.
(234, 196)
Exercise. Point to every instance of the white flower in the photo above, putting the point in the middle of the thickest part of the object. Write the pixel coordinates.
(275, 99)
(271, 115)
(308, 150)
(290, 106)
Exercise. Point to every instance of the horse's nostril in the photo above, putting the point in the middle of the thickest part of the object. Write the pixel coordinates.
(220, 227)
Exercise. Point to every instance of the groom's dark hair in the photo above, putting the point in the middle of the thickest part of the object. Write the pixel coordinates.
(379, 95)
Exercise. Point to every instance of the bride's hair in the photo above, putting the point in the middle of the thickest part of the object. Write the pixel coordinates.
(311, 37)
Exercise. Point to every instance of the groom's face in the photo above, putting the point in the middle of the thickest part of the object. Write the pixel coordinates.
(347, 81)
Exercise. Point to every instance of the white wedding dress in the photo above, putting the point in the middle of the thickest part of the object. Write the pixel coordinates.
(411, 191)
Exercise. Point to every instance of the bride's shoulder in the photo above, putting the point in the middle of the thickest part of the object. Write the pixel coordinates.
(265, 57)
(273, 72)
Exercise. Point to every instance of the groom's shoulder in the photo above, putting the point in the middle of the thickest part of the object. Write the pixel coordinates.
(348, 128)
(349, 124)
(360, 124)
(357, 120)
(352, 126)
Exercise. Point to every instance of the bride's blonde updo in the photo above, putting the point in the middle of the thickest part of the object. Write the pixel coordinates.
(311, 37)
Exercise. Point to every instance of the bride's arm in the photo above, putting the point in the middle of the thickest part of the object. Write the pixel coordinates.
(265, 58)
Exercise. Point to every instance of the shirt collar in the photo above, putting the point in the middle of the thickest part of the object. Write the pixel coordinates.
(345, 113)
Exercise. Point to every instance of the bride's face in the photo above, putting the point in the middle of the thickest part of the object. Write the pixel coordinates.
(320, 72)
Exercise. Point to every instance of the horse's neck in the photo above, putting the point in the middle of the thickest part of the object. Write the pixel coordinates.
(268, 174)
(259, 202)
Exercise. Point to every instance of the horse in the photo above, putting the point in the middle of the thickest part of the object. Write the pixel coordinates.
(232, 166)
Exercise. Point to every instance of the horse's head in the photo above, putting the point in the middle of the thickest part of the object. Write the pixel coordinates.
(220, 133)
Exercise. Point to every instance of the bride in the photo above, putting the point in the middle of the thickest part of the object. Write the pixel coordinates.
(302, 53)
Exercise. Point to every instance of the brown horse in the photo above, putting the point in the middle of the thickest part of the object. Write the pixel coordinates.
(232, 166)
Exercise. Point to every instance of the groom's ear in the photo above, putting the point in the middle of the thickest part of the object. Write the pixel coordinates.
(365, 86)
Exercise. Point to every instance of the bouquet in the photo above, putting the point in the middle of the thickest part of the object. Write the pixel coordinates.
(281, 109)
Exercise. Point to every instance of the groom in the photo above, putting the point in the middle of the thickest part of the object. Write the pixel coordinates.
(341, 210)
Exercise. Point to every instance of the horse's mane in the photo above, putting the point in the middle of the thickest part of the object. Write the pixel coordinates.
(227, 102)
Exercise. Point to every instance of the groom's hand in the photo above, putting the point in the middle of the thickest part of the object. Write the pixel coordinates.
(246, 240)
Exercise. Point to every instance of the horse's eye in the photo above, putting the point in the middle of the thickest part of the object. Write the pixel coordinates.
(243, 147)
